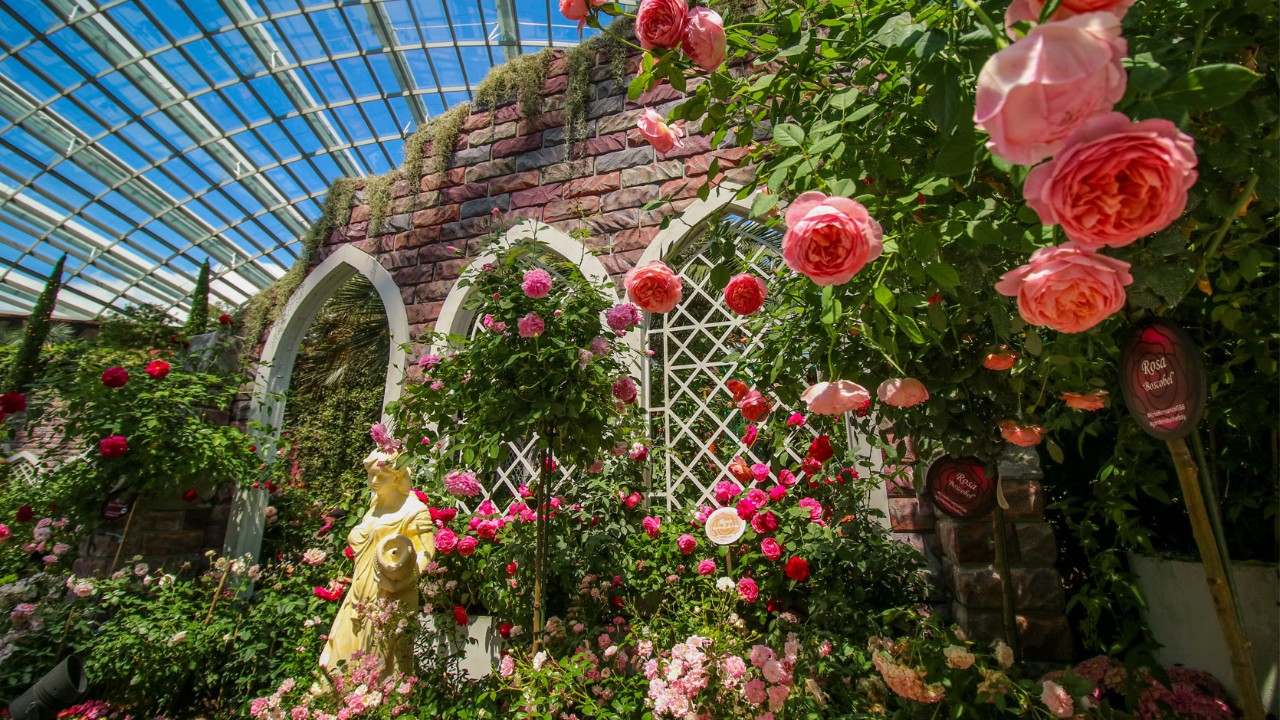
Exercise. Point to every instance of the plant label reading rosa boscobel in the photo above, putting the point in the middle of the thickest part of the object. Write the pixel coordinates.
(1162, 379)
(724, 527)
(960, 488)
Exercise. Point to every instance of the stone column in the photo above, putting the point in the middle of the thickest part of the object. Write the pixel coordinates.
(968, 558)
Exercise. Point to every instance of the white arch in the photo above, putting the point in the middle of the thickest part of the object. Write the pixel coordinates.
(244, 530)
(453, 316)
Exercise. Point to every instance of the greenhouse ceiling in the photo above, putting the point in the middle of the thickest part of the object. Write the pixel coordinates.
(142, 137)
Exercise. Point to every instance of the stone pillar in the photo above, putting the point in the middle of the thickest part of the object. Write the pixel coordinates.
(968, 559)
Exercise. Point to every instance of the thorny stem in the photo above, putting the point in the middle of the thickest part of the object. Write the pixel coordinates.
(1246, 195)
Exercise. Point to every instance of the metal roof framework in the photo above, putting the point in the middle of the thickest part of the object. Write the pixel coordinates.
(144, 137)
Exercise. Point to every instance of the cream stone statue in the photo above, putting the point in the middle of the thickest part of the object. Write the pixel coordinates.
(393, 544)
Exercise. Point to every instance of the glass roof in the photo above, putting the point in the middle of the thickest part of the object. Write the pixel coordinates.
(142, 137)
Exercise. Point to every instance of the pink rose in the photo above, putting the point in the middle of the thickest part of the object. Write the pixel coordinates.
(777, 492)
(1019, 434)
(726, 491)
(706, 567)
(829, 239)
(466, 545)
(530, 325)
(770, 548)
(638, 452)
(1036, 92)
(625, 390)
(759, 471)
(902, 392)
(1091, 401)
(1067, 288)
(536, 283)
(747, 590)
(758, 497)
(841, 396)
(446, 541)
(764, 522)
(1114, 181)
(651, 526)
(704, 40)
(1029, 10)
(663, 137)
(1057, 699)
(747, 509)
(745, 293)
(660, 23)
(653, 287)
(755, 692)
(620, 317)
(574, 9)
(686, 543)
(749, 437)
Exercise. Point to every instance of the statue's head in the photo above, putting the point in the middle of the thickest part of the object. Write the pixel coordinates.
(381, 468)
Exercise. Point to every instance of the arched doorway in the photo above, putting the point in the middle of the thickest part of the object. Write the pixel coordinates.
(279, 355)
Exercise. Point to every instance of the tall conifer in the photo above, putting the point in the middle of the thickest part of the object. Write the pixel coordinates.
(26, 364)
(198, 320)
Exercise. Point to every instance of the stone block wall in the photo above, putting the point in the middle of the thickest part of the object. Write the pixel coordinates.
(165, 532)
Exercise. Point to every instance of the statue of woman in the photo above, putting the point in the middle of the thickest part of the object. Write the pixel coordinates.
(393, 544)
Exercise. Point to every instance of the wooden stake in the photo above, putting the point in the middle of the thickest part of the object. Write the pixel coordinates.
(125, 533)
(1205, 526)
(1007, 614)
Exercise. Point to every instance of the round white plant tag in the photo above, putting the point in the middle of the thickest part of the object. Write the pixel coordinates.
(724, 527)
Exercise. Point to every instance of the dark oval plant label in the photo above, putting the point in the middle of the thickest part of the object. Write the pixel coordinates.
(1162, 378)
(960, 488)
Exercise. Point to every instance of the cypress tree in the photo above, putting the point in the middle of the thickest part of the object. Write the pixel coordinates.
(26, 364)
(198, 320)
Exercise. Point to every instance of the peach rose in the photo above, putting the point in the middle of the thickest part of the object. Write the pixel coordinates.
(1037, 91)
(902, 392)
(1019, 434)
(739, 469)
(834, 398)
(1092, 401)
(745, 293)
(1114, 181)
(829, 239)
(653, 287)
(704, 40)
(1067, 288)
(663, 137)
(660, 23)
(1002, 360)
(574, 10)
(1029, 10)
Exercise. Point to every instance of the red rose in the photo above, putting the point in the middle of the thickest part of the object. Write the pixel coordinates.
(191, 495)
(820, 449)
(505, 631)
(745, 293)
(422, 497)
(660, 23)
(113, 446)
(114, 377)
(349, 552)
(770, 548)
(798, 569)
(754, 406)
(737, 388)
(25, 513)
(225, 320)
(443, 515)
(466, 546)
(615, 602)
(686, 543)
(631, 501)
(12, 402)
(460, 614)
(157, 369)
(809, 466)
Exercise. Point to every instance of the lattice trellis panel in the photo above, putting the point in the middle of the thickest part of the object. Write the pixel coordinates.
(692, 412)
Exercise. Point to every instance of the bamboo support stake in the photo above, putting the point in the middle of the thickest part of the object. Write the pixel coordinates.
(1217, 575)
(1007, 614)
(115, 562)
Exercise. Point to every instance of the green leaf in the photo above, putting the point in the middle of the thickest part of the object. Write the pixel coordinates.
(845, 99)
(763, 203)
(884, 296)
(1209, 86)
(899, 31)
(788, 134)
(1055, 452)
(943, 274)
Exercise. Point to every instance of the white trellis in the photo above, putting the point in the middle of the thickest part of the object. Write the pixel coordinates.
(691, 409)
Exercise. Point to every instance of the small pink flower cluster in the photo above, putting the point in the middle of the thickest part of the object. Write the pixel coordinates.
(676, 680)
(362, 687)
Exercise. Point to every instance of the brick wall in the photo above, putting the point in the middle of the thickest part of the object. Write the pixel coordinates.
(523, 168)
